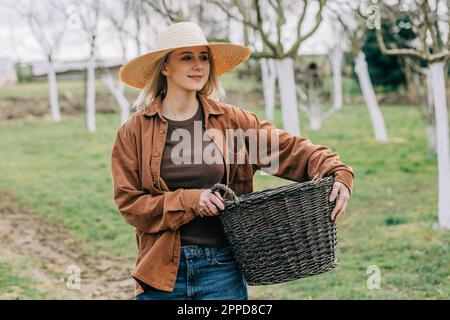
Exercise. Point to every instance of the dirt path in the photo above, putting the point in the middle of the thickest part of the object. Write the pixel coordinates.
(50, 250)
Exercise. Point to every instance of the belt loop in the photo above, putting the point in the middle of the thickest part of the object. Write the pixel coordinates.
(187, 252)
(208, 254)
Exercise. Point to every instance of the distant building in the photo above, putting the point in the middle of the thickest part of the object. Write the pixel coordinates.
(69, 70)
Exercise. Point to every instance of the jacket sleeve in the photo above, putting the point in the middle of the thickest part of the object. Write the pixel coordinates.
(299, 159)
(147, 212)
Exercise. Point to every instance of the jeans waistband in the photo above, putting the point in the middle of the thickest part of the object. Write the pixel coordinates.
(192, 251)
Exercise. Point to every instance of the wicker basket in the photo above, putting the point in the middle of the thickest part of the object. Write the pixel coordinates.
(281, 234)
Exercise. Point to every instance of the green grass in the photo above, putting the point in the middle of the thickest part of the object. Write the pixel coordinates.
(391, 216)
(39, 89)
(12, 285)
(62, 171)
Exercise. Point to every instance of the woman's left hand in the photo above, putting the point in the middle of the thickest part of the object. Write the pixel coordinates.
(344, 196)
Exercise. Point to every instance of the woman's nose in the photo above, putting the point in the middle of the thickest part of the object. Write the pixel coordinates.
(197, 64)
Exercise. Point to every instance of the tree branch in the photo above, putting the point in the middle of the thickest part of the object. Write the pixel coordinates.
(294, 49)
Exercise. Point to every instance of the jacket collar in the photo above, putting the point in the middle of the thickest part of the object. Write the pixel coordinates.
(209, 106)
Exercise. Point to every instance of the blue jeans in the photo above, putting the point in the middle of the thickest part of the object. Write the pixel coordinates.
(204, 274)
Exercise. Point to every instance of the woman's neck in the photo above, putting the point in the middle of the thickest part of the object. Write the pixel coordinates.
(179, 105)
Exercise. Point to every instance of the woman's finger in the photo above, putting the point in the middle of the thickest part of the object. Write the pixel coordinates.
(216, 201)
(212, 209)
(217, 193)
(341, 212)
(334, 192)
(337, 208)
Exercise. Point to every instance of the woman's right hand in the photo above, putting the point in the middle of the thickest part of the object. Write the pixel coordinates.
(210, 203)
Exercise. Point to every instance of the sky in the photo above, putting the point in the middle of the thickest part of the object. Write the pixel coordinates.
(19, 44)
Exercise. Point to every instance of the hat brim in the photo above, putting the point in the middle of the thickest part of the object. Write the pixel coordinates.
(227, 56)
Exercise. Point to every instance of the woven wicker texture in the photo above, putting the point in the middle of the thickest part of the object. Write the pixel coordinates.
(282, 234)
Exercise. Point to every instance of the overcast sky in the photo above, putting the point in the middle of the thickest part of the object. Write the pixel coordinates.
(19, 44)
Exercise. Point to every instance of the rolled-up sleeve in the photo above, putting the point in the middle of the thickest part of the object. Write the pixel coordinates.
(298, 158)
(150, 213)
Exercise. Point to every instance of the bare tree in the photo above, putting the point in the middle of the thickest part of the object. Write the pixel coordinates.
(432, 25)
(214, 23)
(270, 25)
(171, 10)
(88, 15)
(119, 14)
(356, 30)
(269, 76)
(48, 27)
(336, 55)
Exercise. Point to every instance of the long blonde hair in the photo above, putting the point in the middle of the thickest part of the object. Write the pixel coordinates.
(157, 84)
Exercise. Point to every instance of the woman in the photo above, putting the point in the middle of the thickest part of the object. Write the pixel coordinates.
(163, 190)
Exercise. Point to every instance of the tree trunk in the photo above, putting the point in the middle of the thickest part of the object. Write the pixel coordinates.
(53, 92)
(315, 121)
(409, 80)
(336, 57)
(430, 116)
(369, 96)
(90, 95)
(443, 150)
(288, 95)
(269, 78)
(118, 93)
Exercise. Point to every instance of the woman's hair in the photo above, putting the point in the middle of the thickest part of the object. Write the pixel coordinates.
(157, 84)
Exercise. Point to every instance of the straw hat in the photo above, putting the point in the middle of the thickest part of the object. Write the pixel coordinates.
(226, 56)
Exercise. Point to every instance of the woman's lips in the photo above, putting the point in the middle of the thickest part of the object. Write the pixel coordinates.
(196, 78)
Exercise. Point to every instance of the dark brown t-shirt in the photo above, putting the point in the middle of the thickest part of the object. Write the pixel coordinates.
(183, 166)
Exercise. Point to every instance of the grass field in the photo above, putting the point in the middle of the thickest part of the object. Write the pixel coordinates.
(62, 172)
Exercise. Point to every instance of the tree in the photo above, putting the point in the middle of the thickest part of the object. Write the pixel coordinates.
(270, 25)
(336, 54)
(355, 28)
(118, 15)
(48, 28)
(429, 20)
(87, 12)
(384, 70)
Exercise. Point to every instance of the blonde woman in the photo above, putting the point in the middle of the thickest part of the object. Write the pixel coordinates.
(162, 178)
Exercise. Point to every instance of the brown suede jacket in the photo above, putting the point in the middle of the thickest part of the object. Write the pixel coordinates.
(146, 203)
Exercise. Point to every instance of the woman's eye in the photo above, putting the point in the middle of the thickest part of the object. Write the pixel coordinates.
(204, 58)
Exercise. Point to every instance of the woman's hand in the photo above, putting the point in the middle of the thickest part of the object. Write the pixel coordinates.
(341, 205)
(209, 203)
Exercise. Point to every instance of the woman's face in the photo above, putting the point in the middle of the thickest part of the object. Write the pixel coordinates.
(184, 63)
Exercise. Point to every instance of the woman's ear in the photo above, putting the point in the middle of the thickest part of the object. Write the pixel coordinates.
(164, 70)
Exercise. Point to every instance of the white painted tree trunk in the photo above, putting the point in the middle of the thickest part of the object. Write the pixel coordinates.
(431, 136)
(53, 92)
(336, 56)
(118, 93)
(431, 127)
(288, 96)
(90, 95)
(369, 96)
(443, 150)
(315, 110)
(269, 78)
(316, 121)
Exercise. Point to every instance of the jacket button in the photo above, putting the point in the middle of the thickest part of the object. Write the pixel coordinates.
(156, 154)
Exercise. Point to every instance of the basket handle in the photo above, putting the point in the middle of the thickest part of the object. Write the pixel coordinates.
(223, 187)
